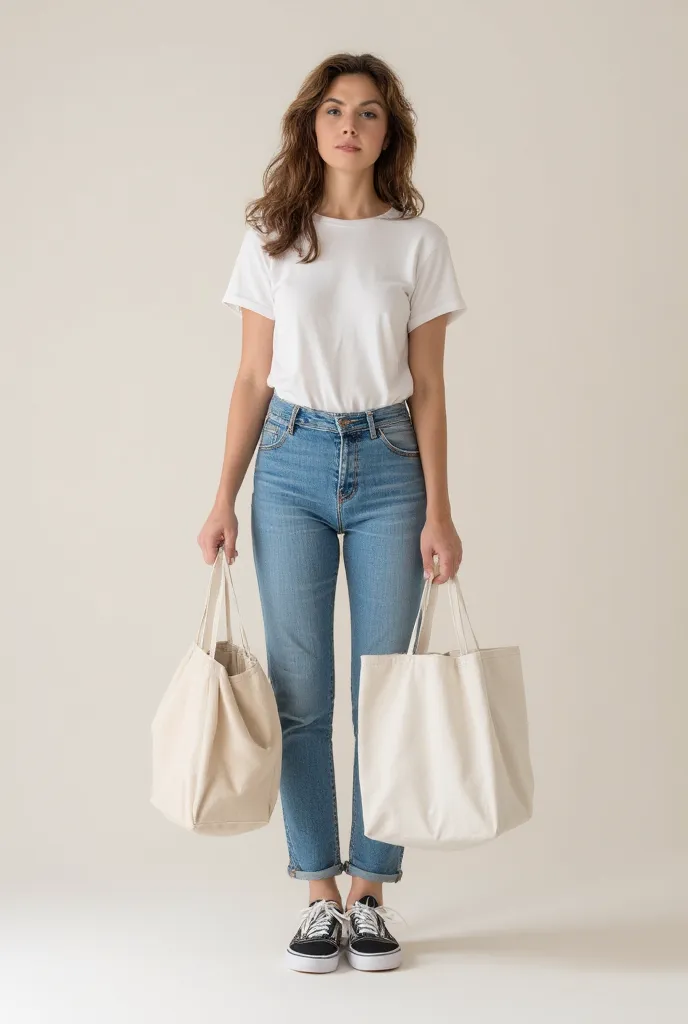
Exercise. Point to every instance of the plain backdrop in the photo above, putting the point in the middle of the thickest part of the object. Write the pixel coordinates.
(552, 150)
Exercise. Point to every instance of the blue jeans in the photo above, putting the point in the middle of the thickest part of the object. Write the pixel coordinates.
(319, 474)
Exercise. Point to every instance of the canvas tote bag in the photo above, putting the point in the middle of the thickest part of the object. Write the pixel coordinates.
(216, 736)
(444, 759)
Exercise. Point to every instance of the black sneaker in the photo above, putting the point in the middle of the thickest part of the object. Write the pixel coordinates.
(316, 946)
(371, 946)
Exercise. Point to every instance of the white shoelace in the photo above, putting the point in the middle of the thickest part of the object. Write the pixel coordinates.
(368, 918)
(316, 920)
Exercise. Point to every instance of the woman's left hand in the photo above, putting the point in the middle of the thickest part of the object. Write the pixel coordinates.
(439, 537)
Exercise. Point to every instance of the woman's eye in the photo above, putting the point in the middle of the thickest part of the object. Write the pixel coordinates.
(335, 110)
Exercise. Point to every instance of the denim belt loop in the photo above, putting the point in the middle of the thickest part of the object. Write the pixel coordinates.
(292, 418)
(371, 424)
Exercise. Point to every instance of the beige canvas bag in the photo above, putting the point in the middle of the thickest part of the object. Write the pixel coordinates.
(444, 759)
(216, 736)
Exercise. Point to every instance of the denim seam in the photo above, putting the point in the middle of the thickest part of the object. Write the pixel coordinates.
(363, 427)
(292, 866)
(413, 453)
(275, 444)
(268, 433)
(337, 851)
(338, 504)
(354, 818)
(347, 497)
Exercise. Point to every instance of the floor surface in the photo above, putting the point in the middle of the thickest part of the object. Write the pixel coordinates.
(172, 952)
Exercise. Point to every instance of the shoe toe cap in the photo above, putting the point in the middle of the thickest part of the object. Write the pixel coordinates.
(372, 946)
(314, 947)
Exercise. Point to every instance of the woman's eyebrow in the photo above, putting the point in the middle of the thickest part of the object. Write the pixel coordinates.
(363, 103)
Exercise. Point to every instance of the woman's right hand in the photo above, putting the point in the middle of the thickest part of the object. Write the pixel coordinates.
(220, 528)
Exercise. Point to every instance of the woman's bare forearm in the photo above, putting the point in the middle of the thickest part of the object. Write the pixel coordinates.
(247, 409)
(428, 412)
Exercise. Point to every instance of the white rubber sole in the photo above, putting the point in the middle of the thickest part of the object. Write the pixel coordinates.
(312, 964)
(374, 961)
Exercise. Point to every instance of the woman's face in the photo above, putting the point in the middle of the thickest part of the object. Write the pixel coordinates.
(352, 112)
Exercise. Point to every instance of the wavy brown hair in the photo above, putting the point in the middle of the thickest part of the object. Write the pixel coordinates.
(293, 180)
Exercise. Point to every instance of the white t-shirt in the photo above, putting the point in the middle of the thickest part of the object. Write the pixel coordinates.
(340, 340)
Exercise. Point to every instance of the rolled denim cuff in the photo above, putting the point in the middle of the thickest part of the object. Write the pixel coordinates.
(372, 876)
(312, 876)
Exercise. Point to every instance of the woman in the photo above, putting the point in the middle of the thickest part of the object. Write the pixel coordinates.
(345, 292)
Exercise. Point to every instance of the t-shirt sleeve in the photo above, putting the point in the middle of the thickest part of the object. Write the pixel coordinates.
(250, 283)
(436, 289)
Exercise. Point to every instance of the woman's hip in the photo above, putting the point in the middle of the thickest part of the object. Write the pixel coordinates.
(339, 465)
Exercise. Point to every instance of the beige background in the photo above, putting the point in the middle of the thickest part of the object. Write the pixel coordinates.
(552, 151)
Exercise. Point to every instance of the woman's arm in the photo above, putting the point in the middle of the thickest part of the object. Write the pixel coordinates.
(429, 415)
(248, 404)
(247, 408)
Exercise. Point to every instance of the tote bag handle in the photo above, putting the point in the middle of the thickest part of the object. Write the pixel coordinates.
(420, 635)
(216, 596)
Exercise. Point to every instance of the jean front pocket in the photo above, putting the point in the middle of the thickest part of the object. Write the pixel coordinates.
(400, 437)
(273, 434)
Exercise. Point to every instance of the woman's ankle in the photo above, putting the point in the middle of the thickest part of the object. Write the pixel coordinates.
(326, 889)
(360, 888)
